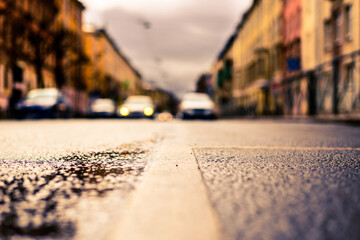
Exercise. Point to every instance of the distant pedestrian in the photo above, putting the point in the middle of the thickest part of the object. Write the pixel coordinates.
(16, 96)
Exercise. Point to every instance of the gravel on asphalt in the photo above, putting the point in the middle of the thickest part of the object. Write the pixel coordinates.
(283, 194)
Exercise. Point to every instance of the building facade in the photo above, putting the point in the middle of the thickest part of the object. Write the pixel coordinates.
(25, 58)
(337, 71)
(258, 59)
(29, 46)
(203, 84)
(294, 85)
(223, 79)
(69, 54)
(330, 55)
(108, 73)
(293, 57)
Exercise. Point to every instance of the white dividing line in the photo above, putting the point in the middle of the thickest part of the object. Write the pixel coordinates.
(280, 148)
(171, 202)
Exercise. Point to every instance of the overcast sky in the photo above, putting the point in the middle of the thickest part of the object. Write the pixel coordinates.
(170, 42)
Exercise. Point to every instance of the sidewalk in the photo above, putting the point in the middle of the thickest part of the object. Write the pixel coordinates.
(352, 119)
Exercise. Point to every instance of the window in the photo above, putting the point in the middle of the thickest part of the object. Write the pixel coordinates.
(348, 21)
(337, 26)
(6, 77)
(1, 28)
(273, 61)
(19, 4)
(299, 18)
(349, 71)
(327, 34)
(219, 78)
(228, 69)
(280, 25)
(279, 54)
(2, 77)
(261, 63)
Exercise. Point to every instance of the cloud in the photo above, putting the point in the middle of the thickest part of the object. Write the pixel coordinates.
(179, 44)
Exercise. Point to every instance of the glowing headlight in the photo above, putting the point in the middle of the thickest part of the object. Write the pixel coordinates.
(124, 111)
(148, 111)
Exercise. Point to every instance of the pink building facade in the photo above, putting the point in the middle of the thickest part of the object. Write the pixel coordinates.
(295, 88)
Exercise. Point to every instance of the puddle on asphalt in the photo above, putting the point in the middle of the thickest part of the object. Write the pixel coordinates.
(39, 199)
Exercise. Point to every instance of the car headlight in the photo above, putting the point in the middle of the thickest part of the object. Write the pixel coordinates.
(148, 111)
(124, 111)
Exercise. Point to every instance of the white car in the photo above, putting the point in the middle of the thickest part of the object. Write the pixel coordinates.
(138, 106)
(198, 105)
(102, 107)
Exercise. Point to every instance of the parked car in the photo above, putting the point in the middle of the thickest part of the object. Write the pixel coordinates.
(138, 106)
(197, 105)
(102, 107)
(44, 103)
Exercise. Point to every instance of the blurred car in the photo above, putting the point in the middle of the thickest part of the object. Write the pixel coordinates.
(139, 106)
(44, 103)
(165, 117)
(102, 107)
(197, 105)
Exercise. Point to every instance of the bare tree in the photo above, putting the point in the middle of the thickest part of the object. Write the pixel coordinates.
(13, 32)
(41, 38)
(65, 44)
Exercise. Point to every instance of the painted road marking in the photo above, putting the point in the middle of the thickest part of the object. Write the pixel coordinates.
(281, 148)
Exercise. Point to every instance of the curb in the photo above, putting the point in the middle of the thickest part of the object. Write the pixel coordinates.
(344, 119)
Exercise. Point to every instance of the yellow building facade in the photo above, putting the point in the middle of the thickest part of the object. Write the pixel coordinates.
(108, 72)
(294, 57)
(257, 59)
(222, 78)
(331, 53)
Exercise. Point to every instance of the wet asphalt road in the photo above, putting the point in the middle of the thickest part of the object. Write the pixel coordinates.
(68, 179)
(65, 197)
(265, 179)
